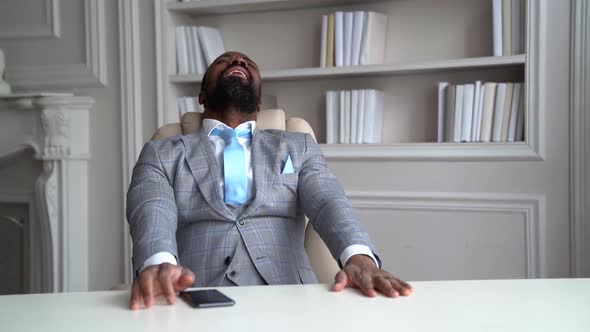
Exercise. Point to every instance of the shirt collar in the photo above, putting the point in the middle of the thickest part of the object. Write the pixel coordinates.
(210, 124)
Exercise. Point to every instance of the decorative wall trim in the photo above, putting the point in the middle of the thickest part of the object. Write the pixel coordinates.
(531, 206)
(131, 107)
(91, 73)
(51, 28)
(580, 139)
(535, 76)
(96, 51)
(161, 60)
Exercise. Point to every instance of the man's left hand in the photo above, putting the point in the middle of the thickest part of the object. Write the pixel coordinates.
(362, 273)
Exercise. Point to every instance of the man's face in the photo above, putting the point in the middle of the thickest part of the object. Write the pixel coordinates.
(232, 80)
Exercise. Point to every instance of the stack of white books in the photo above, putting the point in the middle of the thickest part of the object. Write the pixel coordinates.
(189, 104)
(354, 117)
(196, 48)
(508, 21)
(353, 38)
(481, 112)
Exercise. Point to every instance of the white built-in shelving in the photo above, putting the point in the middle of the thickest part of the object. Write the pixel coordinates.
(427, 41)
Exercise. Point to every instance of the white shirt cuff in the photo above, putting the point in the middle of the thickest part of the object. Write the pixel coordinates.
(356, 249)
(157, 259)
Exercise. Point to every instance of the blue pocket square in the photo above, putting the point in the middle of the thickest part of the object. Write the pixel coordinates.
(288, 167)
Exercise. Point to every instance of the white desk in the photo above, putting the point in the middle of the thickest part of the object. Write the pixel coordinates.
(511, 305)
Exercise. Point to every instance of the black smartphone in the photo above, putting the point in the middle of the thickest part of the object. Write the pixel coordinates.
(206, 298)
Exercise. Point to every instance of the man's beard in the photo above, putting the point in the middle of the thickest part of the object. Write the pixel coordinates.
(231, 91)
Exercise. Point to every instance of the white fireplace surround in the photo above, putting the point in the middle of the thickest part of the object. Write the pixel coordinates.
(56, 128)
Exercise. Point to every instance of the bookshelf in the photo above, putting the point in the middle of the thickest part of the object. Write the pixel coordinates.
(419, 54)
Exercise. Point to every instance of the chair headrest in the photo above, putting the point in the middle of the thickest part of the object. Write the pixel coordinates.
(266, 119)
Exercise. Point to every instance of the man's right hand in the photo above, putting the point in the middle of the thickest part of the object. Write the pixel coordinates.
(164, 279)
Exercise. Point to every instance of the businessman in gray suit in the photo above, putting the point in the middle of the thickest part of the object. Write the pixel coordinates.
(223, 206)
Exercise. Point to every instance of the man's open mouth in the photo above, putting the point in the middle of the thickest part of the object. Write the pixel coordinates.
(237, 72)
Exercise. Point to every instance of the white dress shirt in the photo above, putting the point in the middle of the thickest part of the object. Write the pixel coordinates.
(246, 143)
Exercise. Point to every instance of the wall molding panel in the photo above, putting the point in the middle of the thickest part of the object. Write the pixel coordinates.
(580, 139)
(530, 206)
(131, 107)
(51, 28)
(91, 73)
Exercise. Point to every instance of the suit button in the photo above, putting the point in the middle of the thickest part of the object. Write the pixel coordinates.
(241, 223)
(227, 260)
(233, 273)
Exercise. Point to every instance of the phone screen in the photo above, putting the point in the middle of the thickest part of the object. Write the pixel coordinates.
(206, 298)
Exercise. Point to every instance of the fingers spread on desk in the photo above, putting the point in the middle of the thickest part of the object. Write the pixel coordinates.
(364, 281)
(385, 286)
(146, 283)
(340, 281)
(166, 277)
(185, 280)
(135, 300)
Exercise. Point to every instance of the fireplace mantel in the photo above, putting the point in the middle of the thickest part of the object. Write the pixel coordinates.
(56, 127)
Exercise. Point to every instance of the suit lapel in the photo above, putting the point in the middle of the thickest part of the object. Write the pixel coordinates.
(203, 165)
(262, 166)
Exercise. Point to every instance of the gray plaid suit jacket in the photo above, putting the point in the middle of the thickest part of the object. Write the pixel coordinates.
(175, 204)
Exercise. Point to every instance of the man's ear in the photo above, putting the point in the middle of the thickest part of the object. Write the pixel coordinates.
(202, 98)
(259, 106)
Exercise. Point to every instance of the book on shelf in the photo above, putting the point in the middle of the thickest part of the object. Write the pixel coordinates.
(332, 117)
(354, 100)
(346, 116)
(441, 109)
(324, 46)
(477, 105)
(487, 113)
(196, 48)
(182, 50)
(358, 21)
(197, 51)
(353, 38)
(516, 100)
(347, 46)
(374, 39)
(480, 112)
(466, 122)
(448, 108)
(498, 112)
(339, 39)
(458, 113)
(507, 108)
(211, 42)
(354, 117)
(508, 27)
(330, 42)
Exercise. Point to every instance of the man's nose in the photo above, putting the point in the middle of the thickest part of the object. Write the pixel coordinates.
(239, 61)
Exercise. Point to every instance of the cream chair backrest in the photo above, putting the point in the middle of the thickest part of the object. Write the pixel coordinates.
(324, 266)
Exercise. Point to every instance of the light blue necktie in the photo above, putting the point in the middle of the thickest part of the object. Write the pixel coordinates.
(234, 165)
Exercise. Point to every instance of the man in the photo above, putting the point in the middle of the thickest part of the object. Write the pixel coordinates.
(220, 206)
